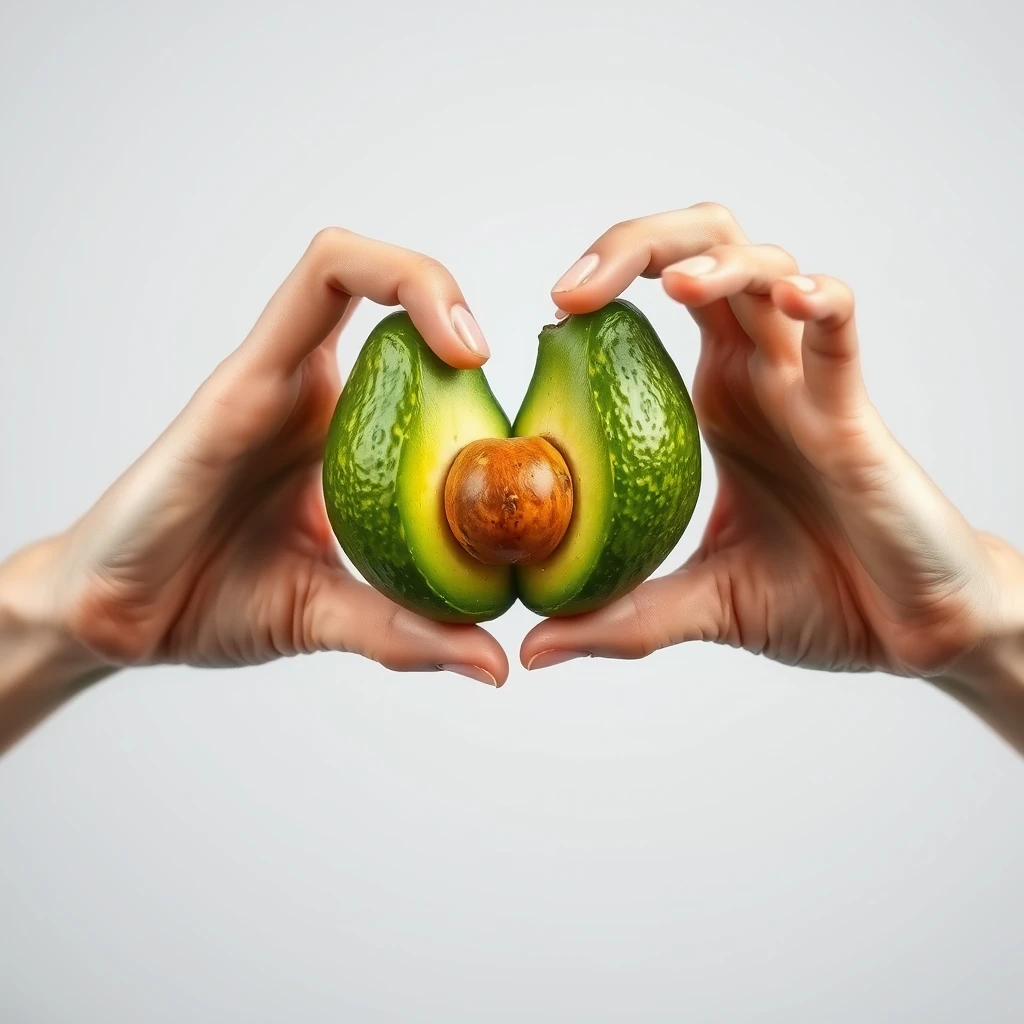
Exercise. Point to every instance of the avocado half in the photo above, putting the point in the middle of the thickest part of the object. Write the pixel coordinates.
(604, 392)
(607, 394)
(402, 417)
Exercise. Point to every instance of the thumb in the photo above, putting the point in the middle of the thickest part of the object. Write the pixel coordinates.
(350, 616)
(689, 604)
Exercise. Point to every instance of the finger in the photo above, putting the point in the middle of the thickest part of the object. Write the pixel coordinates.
(744, 275)
(347, 615)
(689, 604)
(830, 350)
(338, 266)
(641, 248)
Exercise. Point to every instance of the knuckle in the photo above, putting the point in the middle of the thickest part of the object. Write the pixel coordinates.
(778, 254)
(845, 293)
(840, 294)
(427, 268)
(625, 234)
(719, 215)
(330, 237)
(624, 227)
(648, 629)
(384, 643)
(428, 265)
(327, 241)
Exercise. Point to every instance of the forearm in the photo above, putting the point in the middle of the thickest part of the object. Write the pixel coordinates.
(41, 664)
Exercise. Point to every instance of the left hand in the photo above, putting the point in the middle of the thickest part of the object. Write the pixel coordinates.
(214, 549)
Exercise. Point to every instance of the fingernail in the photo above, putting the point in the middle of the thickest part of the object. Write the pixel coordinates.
(577, 273)
(469, 331)
(560, 314)
(695, 266)
(548, 658)
(481, 675)
(805, 284)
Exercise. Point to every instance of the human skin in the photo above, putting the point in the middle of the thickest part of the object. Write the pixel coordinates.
(827, 546)
(214, 548)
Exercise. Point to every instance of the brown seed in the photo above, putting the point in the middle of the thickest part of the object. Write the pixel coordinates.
(509, 500)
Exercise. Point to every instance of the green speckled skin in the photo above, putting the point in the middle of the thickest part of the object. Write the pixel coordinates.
(401, 408)
(604, 391)
(610, 396)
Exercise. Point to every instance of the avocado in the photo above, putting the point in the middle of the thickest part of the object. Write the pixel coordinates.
(402, 417)
(609, 397)
(602, 465)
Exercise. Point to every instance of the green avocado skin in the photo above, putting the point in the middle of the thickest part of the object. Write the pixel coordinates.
(380, 408)
(635, 405)
(604, 391)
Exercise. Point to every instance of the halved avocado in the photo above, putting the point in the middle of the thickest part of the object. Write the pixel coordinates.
(604, 392)
(402, 418)
(609, 397)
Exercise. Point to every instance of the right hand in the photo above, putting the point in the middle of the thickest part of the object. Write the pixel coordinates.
(827, 546)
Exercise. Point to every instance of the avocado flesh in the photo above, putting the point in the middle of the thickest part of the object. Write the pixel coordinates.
(609, 397)
(402, 417)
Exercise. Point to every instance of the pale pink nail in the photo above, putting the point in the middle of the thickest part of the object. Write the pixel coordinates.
(481, 675)
(548, 658)
(805, 284)
(560, 314)
(469, 331)
(578, 273)
(695, 266)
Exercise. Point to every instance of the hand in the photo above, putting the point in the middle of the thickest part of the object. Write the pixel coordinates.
(827, 545)
(214, 548)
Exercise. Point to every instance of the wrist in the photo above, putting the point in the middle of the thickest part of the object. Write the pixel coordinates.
(989, 678)
(41, 663)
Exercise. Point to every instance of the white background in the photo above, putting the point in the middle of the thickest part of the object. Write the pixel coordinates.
(701, 836)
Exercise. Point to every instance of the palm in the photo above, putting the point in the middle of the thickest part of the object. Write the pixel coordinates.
(250, 533)
(788, 592)
(779, 537)
(248, 602)
(272, 561)
(771, 537)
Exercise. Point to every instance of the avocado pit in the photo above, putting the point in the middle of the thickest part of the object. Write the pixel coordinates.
(509, 501)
